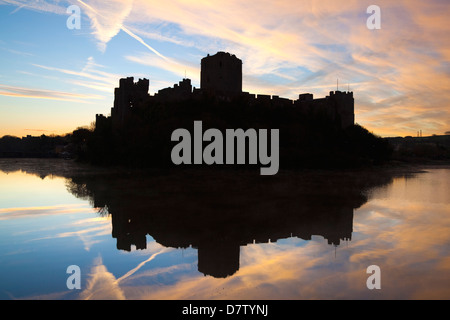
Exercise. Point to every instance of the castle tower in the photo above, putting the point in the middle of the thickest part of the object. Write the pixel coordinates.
(221, 74)
(218, 257)
(128, 95)
(345, 107)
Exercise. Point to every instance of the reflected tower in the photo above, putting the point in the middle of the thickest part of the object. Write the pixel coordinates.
(217, 212)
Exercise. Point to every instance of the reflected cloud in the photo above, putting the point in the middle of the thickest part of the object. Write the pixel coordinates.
(302, 235)
(32, 212)
(91, 232)
(89, 235)
(385, 232)
(213, 223)
(140, 265)
(101, 285)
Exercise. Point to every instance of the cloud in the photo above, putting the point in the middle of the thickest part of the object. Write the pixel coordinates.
(42, 6)
(22, 92)
(27, 212)
(174, 66)
(90, 76)
(106, 18)
(140, 265)
(402, 66)
(36, 130)
(89, 235)
(87, 73)
(102, 284)
(399, 72)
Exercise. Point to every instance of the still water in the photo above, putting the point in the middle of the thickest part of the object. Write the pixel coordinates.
(222, 235)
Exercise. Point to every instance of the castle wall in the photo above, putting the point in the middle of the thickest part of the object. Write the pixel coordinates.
(180, 91)
(338, 106)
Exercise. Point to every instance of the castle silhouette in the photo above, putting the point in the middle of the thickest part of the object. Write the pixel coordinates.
(313, 133)
(221, 79)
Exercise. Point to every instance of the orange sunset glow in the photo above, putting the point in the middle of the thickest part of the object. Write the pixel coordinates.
(54, 79)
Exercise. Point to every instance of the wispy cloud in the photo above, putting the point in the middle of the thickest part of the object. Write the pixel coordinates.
(407, 58)
(292, 46)
(101, 284)
(90, 76)
(98, 76)
(42, 6)
(140, 265)
(91, 233)
(27, 212)
(174, 66)
(109, 19)
(17, 52)
(36, 130)
(106, 18)
(22, 92)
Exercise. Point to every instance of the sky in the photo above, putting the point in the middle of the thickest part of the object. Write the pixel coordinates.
(54, 79)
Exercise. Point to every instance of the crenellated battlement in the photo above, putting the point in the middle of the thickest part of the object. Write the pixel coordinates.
(221, 77)
(128, 95)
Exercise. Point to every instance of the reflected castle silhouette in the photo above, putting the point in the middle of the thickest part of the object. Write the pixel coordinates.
(217, 213)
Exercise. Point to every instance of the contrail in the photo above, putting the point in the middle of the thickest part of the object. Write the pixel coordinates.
(124, 29)
(142, 41)
(140, 265)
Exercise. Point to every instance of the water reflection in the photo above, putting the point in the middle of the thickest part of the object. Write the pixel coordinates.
(398, 222)
(218, 212)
